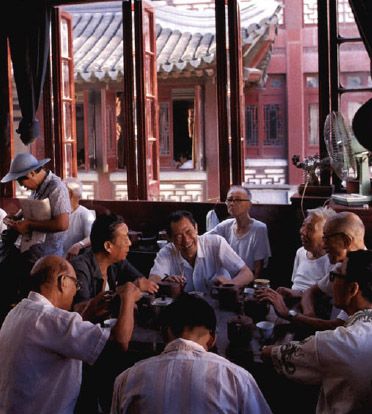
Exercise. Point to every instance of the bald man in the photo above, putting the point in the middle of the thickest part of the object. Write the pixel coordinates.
(43, 344)
(342, 233)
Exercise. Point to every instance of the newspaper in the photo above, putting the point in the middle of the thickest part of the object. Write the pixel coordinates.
(38, 210)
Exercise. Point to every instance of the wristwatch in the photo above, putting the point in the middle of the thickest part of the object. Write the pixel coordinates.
(291, 314)
(81, 244)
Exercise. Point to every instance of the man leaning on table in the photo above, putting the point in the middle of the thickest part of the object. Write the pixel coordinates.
(43, 344)
(339, 360)
(200, 261)
(342, 233)
(186, 378)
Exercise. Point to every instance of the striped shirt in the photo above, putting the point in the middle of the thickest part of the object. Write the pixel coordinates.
(187, 379)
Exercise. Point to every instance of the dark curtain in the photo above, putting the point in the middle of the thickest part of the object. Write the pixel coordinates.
(362, 10)
(26, 24)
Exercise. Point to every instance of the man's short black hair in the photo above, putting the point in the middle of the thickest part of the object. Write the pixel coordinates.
(188, 311)
(177, 216)
(359, 269)
(103, 229)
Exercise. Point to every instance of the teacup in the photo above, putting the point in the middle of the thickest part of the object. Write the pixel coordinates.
(265, 328)
(161, 243)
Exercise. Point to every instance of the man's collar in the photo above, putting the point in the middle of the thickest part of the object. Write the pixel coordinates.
(38, 297)
(181, 344)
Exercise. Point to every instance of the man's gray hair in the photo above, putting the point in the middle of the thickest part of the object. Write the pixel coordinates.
(240, 188)
(323, 213)
(75, 186)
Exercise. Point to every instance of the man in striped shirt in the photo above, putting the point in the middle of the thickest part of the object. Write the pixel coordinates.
(186, 378)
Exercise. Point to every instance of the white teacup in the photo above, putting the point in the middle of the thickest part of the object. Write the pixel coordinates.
(161, 243)
(109, 323)
(265, 328)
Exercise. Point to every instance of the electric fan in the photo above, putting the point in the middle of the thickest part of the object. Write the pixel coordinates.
(348, 159)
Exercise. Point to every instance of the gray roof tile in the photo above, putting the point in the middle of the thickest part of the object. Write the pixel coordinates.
(185, 41)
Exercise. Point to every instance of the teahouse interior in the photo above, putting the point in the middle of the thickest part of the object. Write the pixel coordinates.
(140, 210)
(144, 213)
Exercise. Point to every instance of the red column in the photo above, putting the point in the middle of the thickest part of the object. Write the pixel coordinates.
(295, 87)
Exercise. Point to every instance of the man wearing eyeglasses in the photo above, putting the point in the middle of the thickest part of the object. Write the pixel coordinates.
(43, 344)
(342, 233)
(339, 360)
(246, 235)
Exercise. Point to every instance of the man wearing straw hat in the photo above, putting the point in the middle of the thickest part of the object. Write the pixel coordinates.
(29, 173)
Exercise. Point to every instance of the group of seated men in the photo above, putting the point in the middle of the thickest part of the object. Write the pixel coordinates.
(43, 344)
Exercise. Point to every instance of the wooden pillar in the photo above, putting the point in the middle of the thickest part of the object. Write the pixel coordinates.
(323, 69)
(237, 160)
(140, 102)
(6, 116)
(295, 88)
(221, 67)
(128, 111)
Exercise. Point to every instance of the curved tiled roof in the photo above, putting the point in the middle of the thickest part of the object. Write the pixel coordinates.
(185, 41)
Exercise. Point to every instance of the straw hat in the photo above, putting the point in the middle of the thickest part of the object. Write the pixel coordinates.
(21, 165)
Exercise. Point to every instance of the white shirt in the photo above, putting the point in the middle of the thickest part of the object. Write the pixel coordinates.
(214, 258)
(252, 246)
(340, 360)
(79, 227)
(186, 379)
(307, 272)
(2, 215)
(41, 349)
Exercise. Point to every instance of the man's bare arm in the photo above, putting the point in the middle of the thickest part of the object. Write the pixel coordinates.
(308, 300)
(55, 224)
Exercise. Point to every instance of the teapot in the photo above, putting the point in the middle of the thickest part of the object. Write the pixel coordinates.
(170, 288)
(228, 295)
(240, 329)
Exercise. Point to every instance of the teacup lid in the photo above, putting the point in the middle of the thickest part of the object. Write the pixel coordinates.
(162, 301)
(261, 282)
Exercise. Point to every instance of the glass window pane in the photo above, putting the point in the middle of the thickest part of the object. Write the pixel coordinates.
(64, 38)
(273, 125)
(67, 116)
(251, 125)
(164, 129)
(313, 119)
(65, 78)
(350, 103)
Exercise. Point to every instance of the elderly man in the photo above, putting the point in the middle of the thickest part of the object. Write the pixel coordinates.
(311, 262)
(43, 344)
(246, 235)
(342, 233)
(81, 221)
(104, 266)
(201, 261)
(339, 360)
(186, 378)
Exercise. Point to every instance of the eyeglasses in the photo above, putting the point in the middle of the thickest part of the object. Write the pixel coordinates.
(333, 275)
(334, 235)
(75, 279)
(236, 200)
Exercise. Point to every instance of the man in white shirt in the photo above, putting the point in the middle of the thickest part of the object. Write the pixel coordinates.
(186, 378)
(202, 261)
(81, 220)
(339, 360)
(246, 235)
(311, 262)
(342, 233)
(43, 344)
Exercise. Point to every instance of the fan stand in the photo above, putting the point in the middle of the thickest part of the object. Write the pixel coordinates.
(364, 196)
